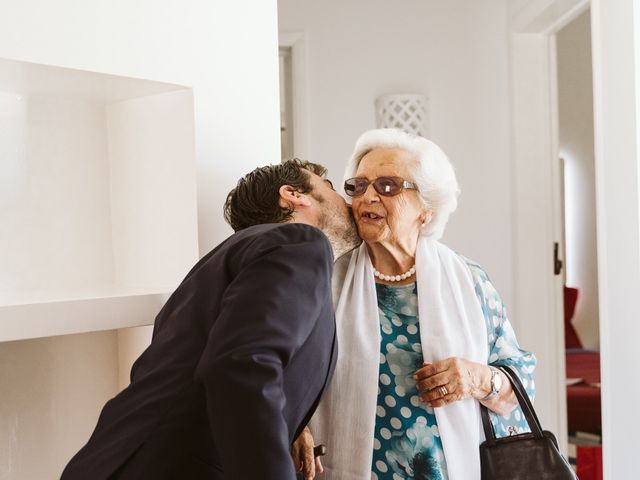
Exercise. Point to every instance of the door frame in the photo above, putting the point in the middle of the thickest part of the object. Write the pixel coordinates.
(537, 194)
(297, 41)
(615, 26)
(615, 29)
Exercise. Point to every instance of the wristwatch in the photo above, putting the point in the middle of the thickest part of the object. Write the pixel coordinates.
(496, 383)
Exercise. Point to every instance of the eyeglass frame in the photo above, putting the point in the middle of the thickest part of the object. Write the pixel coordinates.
(404, 185)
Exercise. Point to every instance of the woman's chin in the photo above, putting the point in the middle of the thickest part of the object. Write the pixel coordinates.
(369, 234)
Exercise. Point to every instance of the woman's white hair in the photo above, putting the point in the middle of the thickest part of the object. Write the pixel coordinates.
(430, 169)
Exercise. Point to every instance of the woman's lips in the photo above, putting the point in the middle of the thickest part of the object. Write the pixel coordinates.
(371, 218)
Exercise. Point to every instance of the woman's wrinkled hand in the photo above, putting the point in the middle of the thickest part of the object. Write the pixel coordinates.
(446, 381)
(303, 458)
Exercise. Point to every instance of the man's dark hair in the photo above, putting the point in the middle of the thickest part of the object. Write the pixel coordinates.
(255, 199)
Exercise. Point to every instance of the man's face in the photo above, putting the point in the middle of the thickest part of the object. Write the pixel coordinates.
(333, 215)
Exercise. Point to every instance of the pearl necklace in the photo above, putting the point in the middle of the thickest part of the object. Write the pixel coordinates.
(394, 278)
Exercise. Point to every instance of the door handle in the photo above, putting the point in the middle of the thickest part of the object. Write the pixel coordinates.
(557, 263)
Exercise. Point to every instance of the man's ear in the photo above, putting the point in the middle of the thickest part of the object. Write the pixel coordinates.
(291, 198)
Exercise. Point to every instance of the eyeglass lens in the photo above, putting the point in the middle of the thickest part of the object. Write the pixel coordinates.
(387, 186)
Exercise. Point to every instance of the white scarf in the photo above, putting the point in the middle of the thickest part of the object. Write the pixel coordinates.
(451, 324)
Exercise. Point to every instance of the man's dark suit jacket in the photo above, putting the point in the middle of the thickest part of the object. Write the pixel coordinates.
(240, 355)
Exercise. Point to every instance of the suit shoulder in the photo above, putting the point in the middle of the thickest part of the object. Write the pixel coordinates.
(286, 240)
(299, 230)
(287, 234)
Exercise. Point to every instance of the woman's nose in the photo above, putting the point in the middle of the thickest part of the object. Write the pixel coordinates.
(370, 195)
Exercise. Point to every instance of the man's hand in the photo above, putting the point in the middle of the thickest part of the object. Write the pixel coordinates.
(302, 453)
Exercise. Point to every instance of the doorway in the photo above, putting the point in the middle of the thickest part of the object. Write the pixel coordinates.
(581, 300)
(616, 82)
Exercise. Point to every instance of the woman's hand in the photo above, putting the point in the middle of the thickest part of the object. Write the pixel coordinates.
(454, 379)
(303, 458)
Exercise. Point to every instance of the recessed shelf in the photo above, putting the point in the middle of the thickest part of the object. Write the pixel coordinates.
(46, 319)
(97, 198)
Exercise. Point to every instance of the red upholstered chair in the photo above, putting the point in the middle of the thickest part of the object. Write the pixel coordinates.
(589, 462)
(583, 399)
(571, 339)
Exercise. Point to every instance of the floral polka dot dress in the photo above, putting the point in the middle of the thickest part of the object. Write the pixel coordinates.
(407, 442)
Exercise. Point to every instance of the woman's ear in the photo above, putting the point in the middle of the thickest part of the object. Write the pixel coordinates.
(426, 217)
(291, 198)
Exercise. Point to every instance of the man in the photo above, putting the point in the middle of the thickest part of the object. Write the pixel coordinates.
(241, 351)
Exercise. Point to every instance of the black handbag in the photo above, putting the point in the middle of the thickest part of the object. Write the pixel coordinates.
(525, 456)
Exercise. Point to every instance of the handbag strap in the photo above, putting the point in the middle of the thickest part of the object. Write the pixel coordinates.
(525, 405)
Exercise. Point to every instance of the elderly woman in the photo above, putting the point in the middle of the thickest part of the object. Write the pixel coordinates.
(420, 328)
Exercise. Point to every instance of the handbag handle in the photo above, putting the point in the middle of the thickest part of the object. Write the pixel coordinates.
(525, 405)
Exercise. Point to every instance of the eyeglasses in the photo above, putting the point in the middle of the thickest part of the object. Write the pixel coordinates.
(387, 186)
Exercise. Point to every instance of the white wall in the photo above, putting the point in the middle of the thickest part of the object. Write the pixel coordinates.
(95, 190)
(575, 98)
(455, 52)
(152, 193)
(52, 392)
(71, 230)
(228, 56)
(227, 52)
(615, 27)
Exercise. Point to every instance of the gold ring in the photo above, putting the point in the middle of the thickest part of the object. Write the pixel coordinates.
(443, 390)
